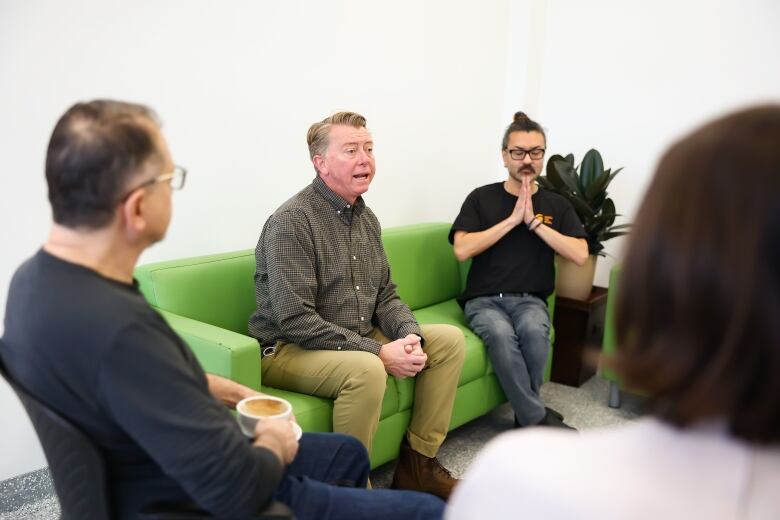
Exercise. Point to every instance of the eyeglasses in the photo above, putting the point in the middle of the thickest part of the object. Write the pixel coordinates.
(175, 178)
(518, 154)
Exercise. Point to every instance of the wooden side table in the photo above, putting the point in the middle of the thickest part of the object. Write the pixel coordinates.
(578, 325)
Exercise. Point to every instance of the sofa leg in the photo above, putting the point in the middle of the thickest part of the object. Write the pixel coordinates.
(614, 395)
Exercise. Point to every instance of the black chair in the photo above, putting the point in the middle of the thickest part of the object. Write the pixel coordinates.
(79, 471)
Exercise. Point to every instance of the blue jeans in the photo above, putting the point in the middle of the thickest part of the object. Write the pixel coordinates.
(327, 479)
(516, 331)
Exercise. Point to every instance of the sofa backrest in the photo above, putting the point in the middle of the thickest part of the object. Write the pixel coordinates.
(219, 289)
(422, 263)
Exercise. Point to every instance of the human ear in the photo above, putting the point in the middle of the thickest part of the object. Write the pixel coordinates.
(133, 214)
(320, 165)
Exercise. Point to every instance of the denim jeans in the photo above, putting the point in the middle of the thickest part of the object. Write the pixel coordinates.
(327, 479)
(516, 331)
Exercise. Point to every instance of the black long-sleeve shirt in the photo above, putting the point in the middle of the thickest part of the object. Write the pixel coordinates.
(95, 351)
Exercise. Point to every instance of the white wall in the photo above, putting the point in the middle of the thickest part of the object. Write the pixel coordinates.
(237, 84)
(627, 78)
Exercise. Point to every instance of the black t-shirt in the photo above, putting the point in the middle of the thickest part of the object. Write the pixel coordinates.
(520, 262)
(94, 350)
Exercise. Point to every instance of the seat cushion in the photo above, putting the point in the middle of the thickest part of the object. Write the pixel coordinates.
(476, 363)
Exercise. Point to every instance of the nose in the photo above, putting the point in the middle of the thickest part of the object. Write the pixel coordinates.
(363, 157)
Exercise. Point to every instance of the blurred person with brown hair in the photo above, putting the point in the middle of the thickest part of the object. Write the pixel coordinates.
(699, 332)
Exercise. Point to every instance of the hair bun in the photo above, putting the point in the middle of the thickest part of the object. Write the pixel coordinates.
(520, 116)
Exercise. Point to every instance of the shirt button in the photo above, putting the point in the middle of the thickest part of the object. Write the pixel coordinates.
(362, 318)
(348, 205)
(338, 348)
(339, 212)
(357, 287)
(354, 257)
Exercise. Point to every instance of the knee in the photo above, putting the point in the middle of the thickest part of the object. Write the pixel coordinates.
(369, 378)
(490, 328)
(534, 331)
(445, 342)
(351, 449)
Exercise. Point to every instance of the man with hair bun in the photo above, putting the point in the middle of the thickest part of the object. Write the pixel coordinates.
(512, 230)
(328, 315)
(698, 333)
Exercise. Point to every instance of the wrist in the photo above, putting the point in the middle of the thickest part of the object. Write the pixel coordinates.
(535, 223)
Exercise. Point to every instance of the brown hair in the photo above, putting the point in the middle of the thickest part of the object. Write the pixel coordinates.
(94, 150)
(318, 136)
(521, 123)
(698, 312)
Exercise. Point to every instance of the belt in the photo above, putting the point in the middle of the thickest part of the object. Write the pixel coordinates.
(515, 294)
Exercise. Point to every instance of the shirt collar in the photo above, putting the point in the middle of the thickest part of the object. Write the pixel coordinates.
(342, 207)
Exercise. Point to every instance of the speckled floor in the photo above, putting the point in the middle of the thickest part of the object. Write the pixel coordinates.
(584, 408)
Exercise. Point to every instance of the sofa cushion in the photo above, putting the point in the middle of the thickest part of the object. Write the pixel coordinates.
(476, 363)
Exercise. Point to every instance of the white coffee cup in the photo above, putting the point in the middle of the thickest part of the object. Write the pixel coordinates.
(261, 407)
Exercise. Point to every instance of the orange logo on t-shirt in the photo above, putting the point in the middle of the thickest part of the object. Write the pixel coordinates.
(545, 219)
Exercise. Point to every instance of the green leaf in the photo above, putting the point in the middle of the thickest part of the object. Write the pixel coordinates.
(621, 226)
(552, 173)
(570, 159)
(598, 202)
(583, 210)
(569, 176)
(612, 176)
(545, 183)
(596, 188)
(594, 246)
(591, 168)
(611, 234)
(552, 159)
(609, 210)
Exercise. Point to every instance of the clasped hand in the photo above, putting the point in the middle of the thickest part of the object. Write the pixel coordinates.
(403, 357)
(524, 208)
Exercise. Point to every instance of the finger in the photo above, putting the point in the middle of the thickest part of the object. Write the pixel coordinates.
(419, 359)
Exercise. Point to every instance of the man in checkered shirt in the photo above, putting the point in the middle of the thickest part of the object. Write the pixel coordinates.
(329, 311)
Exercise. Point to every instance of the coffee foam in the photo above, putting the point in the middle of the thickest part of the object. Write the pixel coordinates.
(263, 407)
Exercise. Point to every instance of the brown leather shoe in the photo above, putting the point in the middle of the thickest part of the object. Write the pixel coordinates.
(416, 472)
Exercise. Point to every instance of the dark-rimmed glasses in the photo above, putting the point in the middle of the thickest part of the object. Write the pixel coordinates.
(518, 154)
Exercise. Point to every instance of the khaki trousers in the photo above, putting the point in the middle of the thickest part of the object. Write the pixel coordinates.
(357, 381)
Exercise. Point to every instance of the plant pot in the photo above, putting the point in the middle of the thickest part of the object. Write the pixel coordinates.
(575, 282)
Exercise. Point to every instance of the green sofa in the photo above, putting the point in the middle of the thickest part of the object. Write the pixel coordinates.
(209, 299)
(609, 343)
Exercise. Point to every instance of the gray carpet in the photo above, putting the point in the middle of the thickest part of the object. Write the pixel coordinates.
(584, 408)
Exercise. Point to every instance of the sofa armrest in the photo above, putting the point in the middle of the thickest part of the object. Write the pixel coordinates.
(220, 351)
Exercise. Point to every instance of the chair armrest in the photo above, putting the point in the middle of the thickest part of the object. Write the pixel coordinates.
(220, 351)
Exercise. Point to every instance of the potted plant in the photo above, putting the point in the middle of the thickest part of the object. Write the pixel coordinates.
(585, 186)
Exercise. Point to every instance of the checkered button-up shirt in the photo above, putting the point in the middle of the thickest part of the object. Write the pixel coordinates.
(322, 278)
